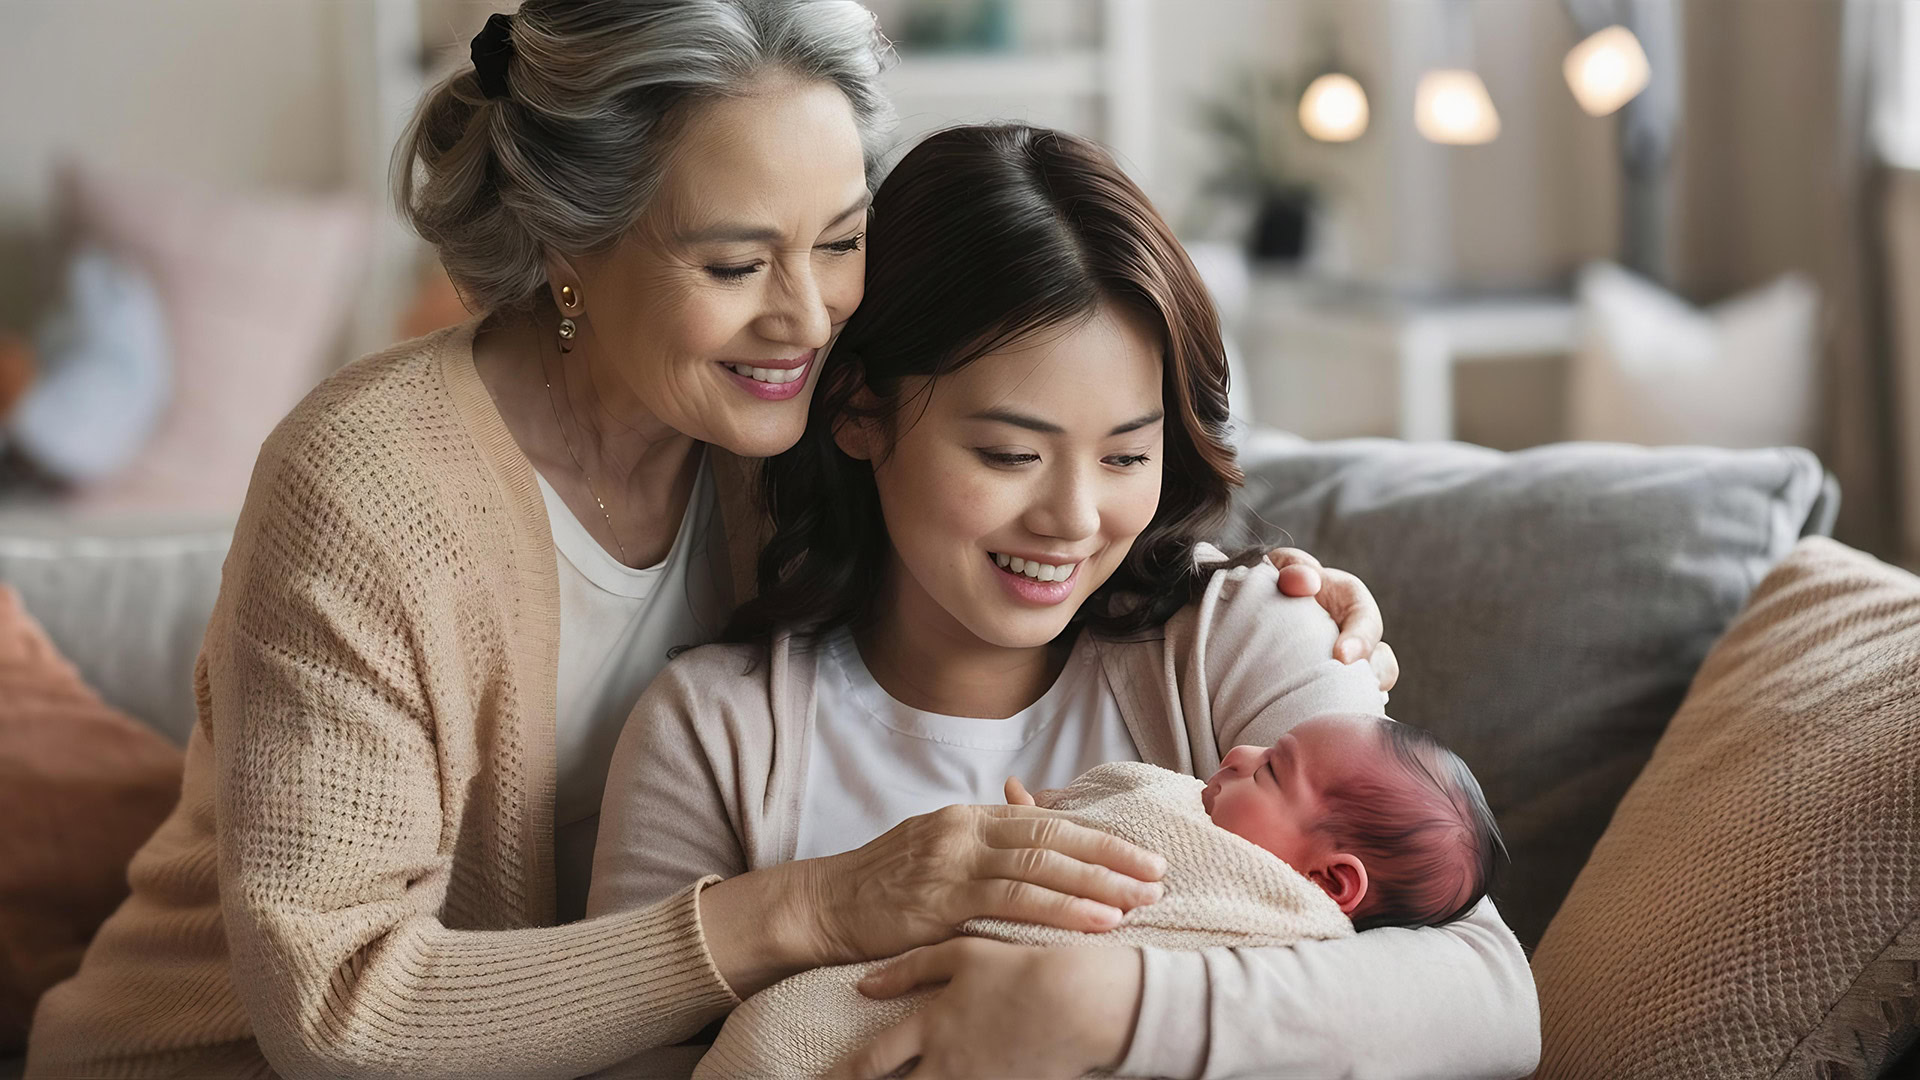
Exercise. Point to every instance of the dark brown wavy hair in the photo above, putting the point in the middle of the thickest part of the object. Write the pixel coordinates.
(981, 236)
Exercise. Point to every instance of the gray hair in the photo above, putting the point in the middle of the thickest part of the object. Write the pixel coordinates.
(568, 160)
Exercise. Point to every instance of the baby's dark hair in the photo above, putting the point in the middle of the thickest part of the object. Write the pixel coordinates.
(1429, 846)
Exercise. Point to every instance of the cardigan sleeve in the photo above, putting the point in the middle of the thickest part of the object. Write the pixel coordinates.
(665, 818)
(1260, 662)
(336, 837)
(1452, 1001)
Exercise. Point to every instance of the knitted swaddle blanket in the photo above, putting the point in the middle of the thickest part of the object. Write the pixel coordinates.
(1220, 890)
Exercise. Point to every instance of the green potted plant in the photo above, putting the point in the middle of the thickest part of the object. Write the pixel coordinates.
(1252, 182)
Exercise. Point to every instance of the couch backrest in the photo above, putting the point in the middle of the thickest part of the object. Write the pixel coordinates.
(1548, 607)
(128, 610)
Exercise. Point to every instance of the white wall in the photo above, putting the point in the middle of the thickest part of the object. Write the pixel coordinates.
(238, 93)
(1519, 212)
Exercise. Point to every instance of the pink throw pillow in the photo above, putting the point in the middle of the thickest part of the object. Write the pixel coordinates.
(82, 786)
(256, 288)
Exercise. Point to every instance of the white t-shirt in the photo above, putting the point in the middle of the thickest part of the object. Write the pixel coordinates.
(874, 762)
(618, 628)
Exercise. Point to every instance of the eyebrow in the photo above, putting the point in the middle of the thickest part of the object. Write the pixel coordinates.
(1046, 427)
(762, 233)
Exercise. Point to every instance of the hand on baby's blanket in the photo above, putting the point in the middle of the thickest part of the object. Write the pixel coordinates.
(1055, 1012)
(1222, 890)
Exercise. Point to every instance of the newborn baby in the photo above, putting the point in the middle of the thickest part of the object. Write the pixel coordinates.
(1389, 823)
(1344, 823)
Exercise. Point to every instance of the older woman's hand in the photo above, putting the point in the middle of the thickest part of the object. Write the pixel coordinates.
(1346, 599)
(917, 883)
(1006, 1010)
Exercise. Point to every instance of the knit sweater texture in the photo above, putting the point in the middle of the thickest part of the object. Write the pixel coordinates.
(358, 877)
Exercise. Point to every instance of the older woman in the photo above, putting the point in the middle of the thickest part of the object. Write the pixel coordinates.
(462, 560)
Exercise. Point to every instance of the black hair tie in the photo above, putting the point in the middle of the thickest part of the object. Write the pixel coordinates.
(492, 48)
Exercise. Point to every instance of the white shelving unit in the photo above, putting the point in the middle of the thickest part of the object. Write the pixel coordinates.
(380, 43)
(1333, 361)
(1103, 90)
(962, 76)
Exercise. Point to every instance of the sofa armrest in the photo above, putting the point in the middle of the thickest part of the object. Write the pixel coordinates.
(125, 599)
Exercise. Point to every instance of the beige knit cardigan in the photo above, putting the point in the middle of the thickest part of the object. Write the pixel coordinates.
(358, 878)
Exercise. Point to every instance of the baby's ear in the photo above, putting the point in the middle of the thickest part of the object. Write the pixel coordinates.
(1344, 877)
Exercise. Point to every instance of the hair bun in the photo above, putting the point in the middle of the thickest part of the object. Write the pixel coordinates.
(491, 49)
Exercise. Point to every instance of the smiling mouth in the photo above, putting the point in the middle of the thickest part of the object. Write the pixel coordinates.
(770, 376)
(1038, 571)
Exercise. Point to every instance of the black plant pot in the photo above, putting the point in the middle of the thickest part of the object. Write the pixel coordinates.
(1280, 227)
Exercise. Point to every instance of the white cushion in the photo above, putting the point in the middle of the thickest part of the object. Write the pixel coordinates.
(1653, 369)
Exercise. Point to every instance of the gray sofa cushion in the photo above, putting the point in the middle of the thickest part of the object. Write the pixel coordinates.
(1548, 607)
(126, 602)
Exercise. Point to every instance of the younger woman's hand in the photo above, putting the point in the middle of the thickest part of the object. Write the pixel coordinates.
(1347, 599)
(1006, 1010)
(916, 884)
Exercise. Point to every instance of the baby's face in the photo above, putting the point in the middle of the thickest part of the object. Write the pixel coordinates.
(1272, 795)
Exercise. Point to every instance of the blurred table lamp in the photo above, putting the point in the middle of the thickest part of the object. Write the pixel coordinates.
(1334, 108)
(1607, 70)
(1451, 106)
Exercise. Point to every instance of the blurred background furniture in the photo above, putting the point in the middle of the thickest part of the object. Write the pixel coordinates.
(1712, 150)
(1317, 350)
(1083, 65)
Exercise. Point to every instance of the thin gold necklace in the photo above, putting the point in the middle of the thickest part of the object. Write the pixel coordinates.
(611, 531)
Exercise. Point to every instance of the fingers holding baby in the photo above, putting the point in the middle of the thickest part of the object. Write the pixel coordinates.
(1055, 1012)
(919, 881)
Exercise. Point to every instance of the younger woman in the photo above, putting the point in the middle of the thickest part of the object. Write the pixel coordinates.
(984, 565)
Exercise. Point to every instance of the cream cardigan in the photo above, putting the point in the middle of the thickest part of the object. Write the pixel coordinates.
(710, 772)
(375, 744)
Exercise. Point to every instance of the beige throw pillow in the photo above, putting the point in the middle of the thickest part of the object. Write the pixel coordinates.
(1655, 370)
(1753, 910)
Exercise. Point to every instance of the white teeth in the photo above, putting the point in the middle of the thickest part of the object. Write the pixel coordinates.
(1034, 570)
(774, 376)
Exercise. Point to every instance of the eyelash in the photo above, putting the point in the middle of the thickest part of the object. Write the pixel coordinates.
(1011, 460)
(740, 273)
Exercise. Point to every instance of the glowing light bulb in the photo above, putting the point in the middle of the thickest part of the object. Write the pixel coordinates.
(1607, 70)
(1334, 108)
(1452, 106)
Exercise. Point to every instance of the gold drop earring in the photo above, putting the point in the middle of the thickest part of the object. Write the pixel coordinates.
(568, 301)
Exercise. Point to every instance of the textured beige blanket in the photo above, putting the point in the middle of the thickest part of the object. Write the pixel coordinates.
(1220, 891)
